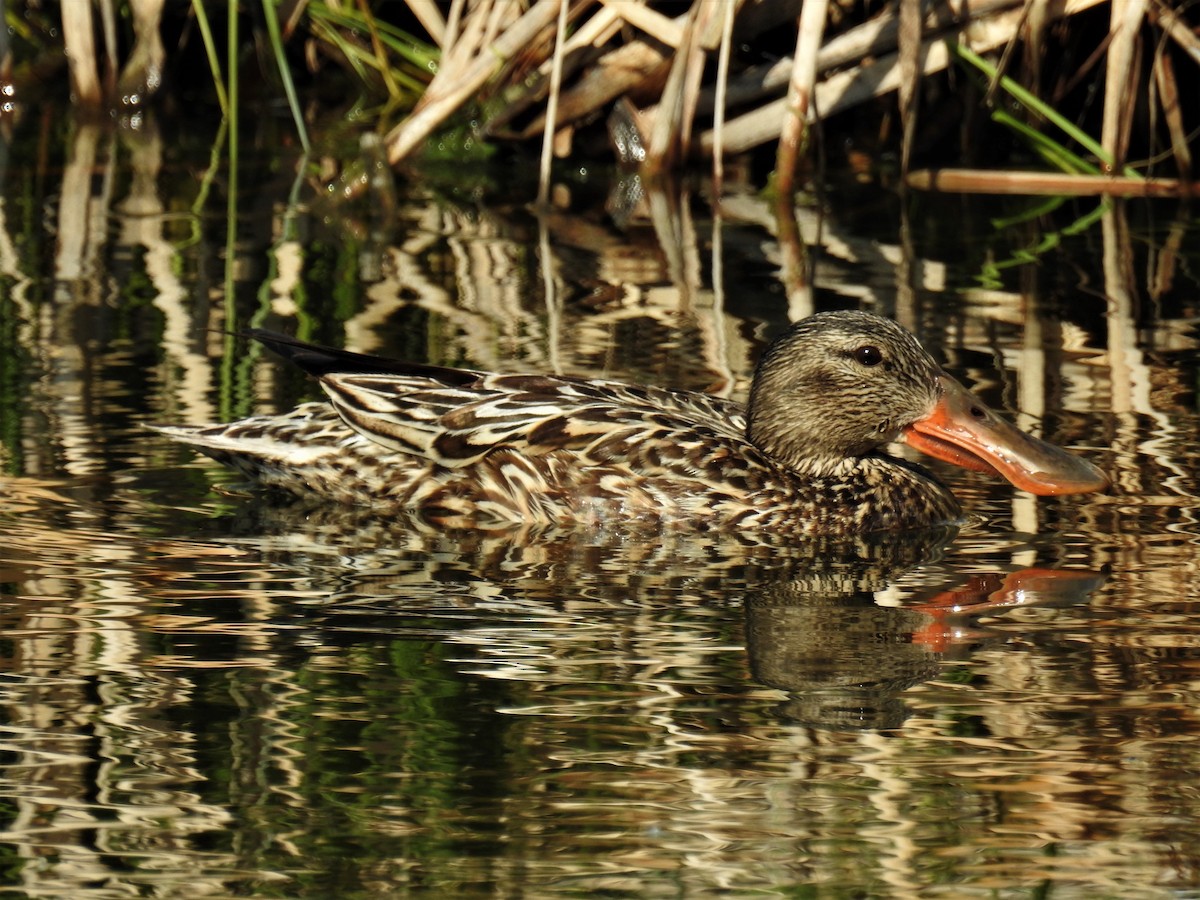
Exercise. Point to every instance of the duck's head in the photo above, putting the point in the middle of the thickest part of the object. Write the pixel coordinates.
(842, 384)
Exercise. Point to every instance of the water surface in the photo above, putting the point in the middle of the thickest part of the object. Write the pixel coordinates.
(205, 693)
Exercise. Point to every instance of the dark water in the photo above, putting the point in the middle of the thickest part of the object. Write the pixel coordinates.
(207, 694)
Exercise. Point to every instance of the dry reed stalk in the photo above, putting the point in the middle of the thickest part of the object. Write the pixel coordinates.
(446, 94)
(430, 17)
(718, 155)
(1125, 22)
(978, 181)
(1002, 66)
(560, 40)
(466, 45)
(793, 130)
(693, 76)
(1168, 92)
(663, 29)
(1037, 20)
(909, 60)
(503, 13)
(453, 23)
(844, 90)
(636, 64)
(1168, 19)
(580, 51)
(669, 126)
(596, 31)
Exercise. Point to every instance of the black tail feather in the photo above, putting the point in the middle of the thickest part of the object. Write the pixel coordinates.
(318, 360)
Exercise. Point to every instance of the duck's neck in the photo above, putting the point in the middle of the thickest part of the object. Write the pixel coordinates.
(870, 493)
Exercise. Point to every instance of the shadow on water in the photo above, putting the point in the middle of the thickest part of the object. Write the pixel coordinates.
(206, 692)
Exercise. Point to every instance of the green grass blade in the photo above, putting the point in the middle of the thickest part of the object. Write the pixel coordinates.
(1033, 103)
(421, 55)
(210, 49)
(285, 72)
(1050, 150)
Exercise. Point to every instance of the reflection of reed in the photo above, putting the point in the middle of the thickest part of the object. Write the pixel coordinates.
(95, 769)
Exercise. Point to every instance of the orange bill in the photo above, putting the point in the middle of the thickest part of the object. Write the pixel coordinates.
(961, 430)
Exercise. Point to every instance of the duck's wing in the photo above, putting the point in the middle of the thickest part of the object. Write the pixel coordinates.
(457, 422)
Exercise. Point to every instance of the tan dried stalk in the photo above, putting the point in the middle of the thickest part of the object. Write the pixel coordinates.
(560, 40)
(800, 93)
(1119, 99)
(844, 90)
(1168, 92)
(663, 149)
(718, 154)
(447, 94)
(980, 181)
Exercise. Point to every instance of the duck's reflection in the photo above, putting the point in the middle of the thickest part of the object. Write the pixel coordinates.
(844, 627)
(845, 660)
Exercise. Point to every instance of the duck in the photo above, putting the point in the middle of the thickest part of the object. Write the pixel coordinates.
(807, 455)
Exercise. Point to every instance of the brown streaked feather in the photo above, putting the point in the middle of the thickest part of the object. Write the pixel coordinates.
(598, 420)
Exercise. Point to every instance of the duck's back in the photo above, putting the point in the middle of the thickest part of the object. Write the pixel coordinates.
(503, 447)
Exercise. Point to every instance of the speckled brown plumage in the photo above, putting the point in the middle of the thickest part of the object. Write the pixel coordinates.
(469, 448)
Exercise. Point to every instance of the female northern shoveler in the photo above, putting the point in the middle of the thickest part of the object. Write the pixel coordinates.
(803, 457)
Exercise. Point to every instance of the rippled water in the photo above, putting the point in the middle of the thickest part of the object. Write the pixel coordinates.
(208, 694)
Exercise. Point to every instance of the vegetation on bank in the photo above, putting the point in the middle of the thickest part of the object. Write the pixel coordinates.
(1092, 87)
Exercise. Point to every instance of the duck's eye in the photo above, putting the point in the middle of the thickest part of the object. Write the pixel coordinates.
(868, 355)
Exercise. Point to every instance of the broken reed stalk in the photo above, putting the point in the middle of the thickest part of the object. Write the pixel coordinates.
(844, 90)
(1168, 92)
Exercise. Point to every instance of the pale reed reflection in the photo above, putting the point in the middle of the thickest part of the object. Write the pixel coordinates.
(95, 769)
